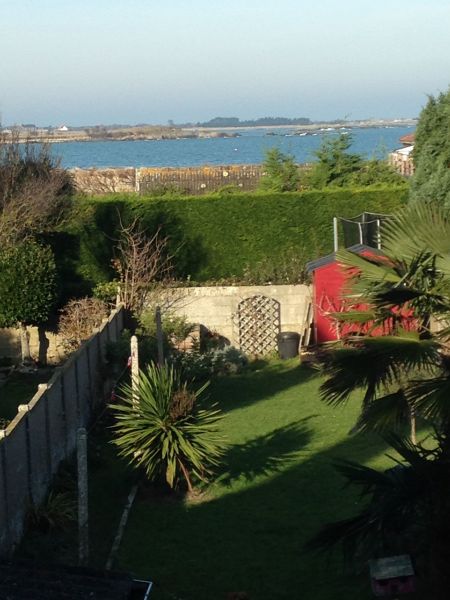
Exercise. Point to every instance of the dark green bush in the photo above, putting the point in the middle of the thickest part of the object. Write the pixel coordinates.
(227, 237)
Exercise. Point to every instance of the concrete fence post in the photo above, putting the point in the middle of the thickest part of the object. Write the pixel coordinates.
(48, 439)
(24, 408)
(159, 336)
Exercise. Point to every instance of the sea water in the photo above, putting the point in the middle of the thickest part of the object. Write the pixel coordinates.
(249, 148)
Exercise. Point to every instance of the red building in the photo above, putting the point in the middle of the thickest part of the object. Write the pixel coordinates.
(329, 289)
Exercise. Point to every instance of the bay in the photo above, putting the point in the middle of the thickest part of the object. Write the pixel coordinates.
(249, 148)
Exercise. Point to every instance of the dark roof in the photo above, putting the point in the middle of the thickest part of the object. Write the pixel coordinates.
(312, 265)
(31, 581)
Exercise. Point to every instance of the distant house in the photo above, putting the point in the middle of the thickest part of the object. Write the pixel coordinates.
(408, 139)
(62, 128)
(401, 160)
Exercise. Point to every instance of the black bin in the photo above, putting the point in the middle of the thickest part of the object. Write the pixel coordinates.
(288, 343)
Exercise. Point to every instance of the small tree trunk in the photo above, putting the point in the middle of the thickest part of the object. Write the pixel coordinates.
(24, 343)
(413, 426)
(186, 476)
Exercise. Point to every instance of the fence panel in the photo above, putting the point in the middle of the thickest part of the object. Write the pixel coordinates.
(16, 476)
(40, 459)
(71, 405)
(57, 424)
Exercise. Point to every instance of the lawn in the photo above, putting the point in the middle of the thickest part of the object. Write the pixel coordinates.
(276, 489)
(19, 389)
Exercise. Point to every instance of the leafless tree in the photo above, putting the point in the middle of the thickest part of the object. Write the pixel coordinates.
(34, 189)
(143, 263)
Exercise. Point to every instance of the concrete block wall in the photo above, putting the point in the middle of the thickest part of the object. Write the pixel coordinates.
(215, 307)
(45, 346)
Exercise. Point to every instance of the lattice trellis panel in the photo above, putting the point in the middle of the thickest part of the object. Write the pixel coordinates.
(258, 323)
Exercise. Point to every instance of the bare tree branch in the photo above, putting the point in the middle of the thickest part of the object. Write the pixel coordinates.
(78, 320)
(142, 263)
(34, 189)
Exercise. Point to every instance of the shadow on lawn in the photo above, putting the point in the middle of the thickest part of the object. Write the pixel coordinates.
(258, 385)
(253, 538)
(265, 454)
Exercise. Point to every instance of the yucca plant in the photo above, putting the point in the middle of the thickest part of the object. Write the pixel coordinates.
(162, 428)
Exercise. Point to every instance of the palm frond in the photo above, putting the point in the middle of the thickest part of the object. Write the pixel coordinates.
(431, 397)
(386, 413)
(354, 316)
(370, 269)
(373, 363)
(418, 227)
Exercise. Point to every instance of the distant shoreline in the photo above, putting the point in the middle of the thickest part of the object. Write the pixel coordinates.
(154, 133)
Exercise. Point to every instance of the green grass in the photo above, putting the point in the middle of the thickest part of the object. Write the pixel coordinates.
(19, 389)
(276, 489)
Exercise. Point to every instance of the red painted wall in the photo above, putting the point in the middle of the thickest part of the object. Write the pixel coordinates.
(329, 284)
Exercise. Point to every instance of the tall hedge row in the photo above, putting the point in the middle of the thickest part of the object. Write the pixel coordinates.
(219, 237)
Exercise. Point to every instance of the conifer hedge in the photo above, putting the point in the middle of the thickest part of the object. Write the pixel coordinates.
(220, 236)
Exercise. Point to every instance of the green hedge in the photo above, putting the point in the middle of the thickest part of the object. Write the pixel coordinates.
(219, 237)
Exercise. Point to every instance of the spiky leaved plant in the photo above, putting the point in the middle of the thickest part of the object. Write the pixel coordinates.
(161, 427)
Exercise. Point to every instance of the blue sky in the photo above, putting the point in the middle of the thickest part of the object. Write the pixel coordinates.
(130, 61)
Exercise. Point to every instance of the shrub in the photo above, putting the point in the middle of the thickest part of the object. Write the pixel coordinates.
(228, 237)
(57, 512)
(27, 287)
(218, 361)
(78, 320)
(166, 432)
(280, 173)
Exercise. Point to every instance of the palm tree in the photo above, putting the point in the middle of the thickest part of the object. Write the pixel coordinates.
(167, 431)
(405, 292)
(404, 372)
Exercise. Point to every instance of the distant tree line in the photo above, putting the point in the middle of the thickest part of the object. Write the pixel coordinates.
(236, 122)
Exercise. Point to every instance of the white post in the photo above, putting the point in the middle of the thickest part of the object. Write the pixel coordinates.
(159, 336)
(335, 234)
(378, 234)
(83, 514)
(134, 368)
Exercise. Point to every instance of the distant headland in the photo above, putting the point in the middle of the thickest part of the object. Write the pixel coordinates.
(219, 127)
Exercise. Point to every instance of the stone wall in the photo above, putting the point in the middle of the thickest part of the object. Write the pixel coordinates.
(45, 346)
(105, 181)
(189, 180)
(216, 307)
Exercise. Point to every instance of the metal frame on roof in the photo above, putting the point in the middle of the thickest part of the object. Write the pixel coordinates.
(329, 258)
